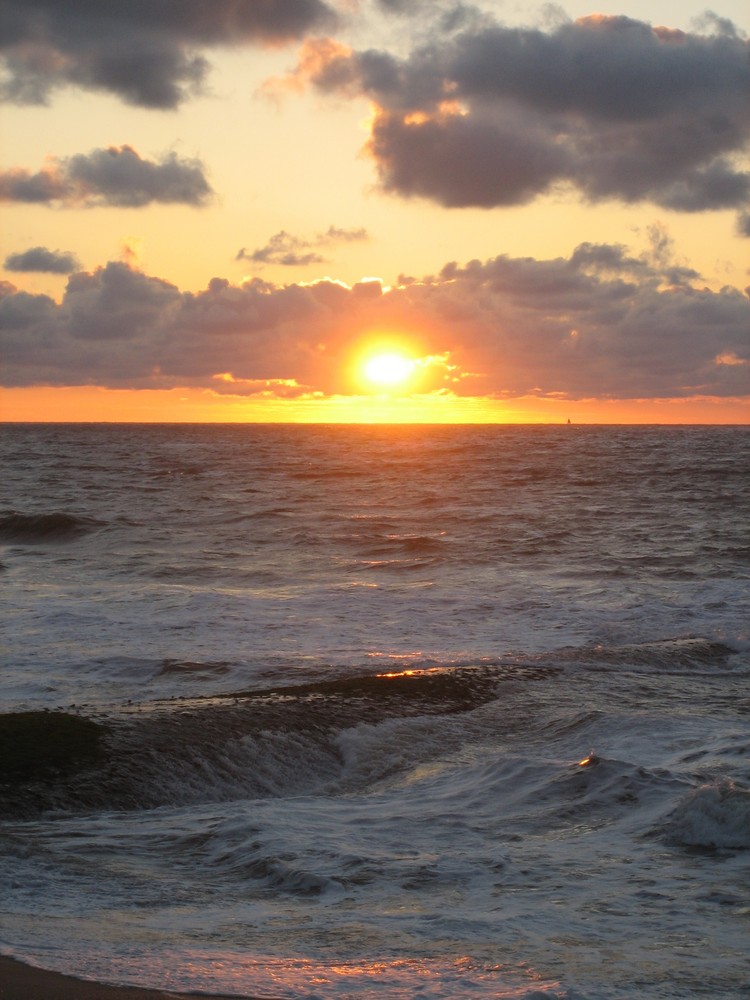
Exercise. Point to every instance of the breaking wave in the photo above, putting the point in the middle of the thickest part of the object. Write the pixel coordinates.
(37, 528)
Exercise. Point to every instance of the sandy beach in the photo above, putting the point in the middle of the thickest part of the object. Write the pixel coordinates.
(24, 982)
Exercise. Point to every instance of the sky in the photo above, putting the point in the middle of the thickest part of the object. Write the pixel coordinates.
(375, 210)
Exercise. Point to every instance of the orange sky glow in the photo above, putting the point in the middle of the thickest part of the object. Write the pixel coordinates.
(513, 210)
(95, 404)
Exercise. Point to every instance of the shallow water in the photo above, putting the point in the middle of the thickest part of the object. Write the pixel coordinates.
(554, 803)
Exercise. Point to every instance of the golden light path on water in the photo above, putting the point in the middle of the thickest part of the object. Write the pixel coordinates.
(275, 977)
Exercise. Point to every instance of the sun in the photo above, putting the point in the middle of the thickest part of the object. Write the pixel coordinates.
(388, 370)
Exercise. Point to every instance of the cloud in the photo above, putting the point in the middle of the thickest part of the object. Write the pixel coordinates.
(43, 260)
(116, 176)
(293, 251)
(282, 248)
(491, 115)
(148, 54)
(600, 323)
(334, 234)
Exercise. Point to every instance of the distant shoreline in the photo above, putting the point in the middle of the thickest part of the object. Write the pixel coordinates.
(19, 981)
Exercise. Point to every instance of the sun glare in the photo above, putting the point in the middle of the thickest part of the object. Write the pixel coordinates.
(388, 370)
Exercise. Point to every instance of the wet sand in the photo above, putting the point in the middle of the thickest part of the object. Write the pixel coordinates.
(24, 982)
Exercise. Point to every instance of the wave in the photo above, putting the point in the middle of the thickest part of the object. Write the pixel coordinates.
(351, 734)
(714, 817)
(409, 544)
(218, 667)
(39, 528)
(674, 654)
(270, 742)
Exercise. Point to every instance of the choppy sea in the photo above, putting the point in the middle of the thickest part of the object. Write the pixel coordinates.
(395, 712)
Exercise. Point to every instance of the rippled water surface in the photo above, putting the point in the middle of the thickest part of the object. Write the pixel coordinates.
(388, 711)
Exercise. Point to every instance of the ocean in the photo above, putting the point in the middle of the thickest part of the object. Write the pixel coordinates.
(382, 711)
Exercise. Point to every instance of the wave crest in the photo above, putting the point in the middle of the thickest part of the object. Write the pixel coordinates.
(35, 528)
(715, 816)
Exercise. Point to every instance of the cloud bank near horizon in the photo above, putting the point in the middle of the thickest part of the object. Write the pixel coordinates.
(598, 324)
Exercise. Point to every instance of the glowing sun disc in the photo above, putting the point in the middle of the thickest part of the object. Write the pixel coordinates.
(388, 369)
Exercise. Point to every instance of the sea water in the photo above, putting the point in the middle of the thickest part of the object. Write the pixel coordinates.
(399, 711)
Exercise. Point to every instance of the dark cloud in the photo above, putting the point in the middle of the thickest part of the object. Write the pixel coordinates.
(116, 176)
(293, 251)
(461, 161)
(661, 254)
(718, 25)
(282, 248)
(43, 260)
(600, 323)
(399, 6)
(716, 186)
(491, 115)
(661, 244)
(146, 53)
